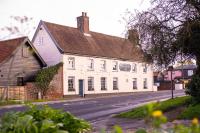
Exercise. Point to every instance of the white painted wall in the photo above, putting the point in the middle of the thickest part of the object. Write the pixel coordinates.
(124, 78)
(51, 55)
(46, 47)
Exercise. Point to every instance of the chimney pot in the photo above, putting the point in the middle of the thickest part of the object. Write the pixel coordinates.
(83, 23)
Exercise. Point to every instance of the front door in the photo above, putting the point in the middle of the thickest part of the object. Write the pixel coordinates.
(81, 91)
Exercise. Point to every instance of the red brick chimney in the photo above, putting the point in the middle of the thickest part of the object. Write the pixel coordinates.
(83, 23)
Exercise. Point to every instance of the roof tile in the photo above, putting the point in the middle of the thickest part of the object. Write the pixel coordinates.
(71, 40)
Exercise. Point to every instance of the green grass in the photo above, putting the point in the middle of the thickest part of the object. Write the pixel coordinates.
(165, 106)
(14, 102)
(191, 112)
(35, 101)
(10, 102)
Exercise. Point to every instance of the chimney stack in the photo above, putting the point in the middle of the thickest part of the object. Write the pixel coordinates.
(133, 36)
(83, 23)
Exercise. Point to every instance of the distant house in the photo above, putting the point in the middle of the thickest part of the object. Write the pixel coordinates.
(181, 72)
(19, 61)
(93, 63)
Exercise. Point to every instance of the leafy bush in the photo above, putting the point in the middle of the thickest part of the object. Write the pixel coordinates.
(43, 120)
(45, 76)
(193, 87)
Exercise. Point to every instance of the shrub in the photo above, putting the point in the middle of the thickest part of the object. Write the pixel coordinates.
(45, 76)
(193, 88)
(43, 120)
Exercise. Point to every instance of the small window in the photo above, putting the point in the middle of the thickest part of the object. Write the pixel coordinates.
(25, 51)
(103, 83)
(90, 64)
(90, 83)
(71, 81)
(1, 75)
(115, 83)
(103, 65)
(40, 41)
(20, 81)
(71, 63)
(145, 83)
(144, 68)
(190, 72)
(115, 65)
(134, 67)
(134, 83)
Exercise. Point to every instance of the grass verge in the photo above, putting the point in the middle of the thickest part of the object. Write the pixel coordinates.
(10, 102)
(192, 111)
(165, 106)
(14, 102)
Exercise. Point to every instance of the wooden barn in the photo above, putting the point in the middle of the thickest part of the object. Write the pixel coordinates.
(19, 62)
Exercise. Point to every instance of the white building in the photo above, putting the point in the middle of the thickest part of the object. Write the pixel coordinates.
(93, 63)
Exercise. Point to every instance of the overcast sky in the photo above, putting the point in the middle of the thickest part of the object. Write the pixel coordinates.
(105, 15)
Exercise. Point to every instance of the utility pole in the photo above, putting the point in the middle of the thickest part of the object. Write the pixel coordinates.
(170, 68)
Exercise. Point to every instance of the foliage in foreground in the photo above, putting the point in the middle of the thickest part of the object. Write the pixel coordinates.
(155, 119)
(43, 120)
(193, 87)
(140, 112)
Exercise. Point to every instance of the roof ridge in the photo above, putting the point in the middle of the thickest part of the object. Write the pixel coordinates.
(90, 31)
(72, 40)
(12, 39)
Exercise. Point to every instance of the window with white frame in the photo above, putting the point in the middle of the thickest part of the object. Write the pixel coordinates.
(103, 65)
(71, 83)
(115, 65)
(134, 67)
(71, 63)
(90, 64)
(103, 83)
(115, 83)
(144, 68)
(134, 83)
(145, 83)
(90, 83)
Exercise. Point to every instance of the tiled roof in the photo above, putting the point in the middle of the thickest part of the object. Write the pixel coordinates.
(71, 40)
(7, 47)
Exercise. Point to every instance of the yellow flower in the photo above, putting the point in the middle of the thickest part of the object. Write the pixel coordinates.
(195, 121)
(157, 113)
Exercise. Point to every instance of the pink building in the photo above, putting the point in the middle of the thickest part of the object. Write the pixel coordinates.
(180, 72)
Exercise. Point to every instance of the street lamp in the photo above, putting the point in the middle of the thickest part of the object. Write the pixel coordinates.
(170, 68)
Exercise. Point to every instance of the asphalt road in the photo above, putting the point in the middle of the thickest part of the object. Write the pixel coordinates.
(92, 109)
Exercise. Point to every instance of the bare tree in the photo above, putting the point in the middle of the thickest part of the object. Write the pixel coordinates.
(19, 26)
(161, 27)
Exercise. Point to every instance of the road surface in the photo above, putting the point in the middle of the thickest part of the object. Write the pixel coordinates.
(97, 109)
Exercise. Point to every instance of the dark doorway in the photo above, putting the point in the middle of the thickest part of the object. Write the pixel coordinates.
(20, 81)
(81, 88)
